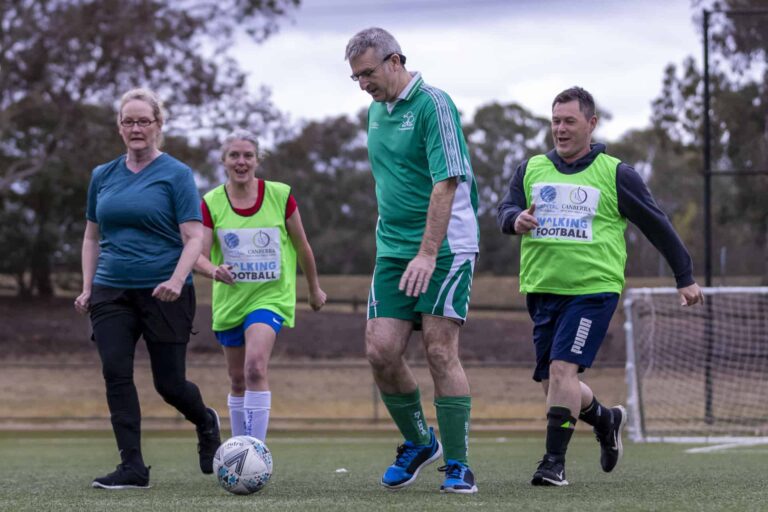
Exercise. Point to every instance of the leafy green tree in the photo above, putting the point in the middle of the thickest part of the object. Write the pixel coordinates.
(64, 63)
(739, 60)
(327, 166)
(500, 137)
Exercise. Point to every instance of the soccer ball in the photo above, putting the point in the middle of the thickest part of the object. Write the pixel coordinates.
(243, 465)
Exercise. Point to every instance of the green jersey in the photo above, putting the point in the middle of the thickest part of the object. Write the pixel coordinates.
(412, 145)
(261, 255)
(578, 247)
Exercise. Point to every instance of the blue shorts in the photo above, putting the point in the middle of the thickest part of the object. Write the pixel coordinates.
(235, 337)
(568, 328)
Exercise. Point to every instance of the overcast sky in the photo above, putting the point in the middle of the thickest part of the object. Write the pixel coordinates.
(479, 51)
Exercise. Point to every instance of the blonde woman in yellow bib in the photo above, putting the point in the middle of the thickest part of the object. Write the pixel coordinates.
(253, 237)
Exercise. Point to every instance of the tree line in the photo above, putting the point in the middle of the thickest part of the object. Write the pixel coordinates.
(63, 64)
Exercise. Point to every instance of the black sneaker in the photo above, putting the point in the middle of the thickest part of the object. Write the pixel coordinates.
(124, 477)
(611, 449)
(208, 442)
(550, 472)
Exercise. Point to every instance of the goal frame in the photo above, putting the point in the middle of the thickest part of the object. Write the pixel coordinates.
(636, 423)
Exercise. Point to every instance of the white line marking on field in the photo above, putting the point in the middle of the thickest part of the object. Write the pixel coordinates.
(721, 447)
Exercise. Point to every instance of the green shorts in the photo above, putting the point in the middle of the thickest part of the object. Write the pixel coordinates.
(447, 295)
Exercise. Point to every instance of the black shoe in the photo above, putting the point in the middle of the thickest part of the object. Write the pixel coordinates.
(208, 441)
(611, 449)
(124, 477)
(550, 472)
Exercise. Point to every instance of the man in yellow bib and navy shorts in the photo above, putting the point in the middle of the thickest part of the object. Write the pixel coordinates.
(571, 207)
(426, 245)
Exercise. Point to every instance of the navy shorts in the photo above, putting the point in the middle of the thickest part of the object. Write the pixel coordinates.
(568, 328)
(235, 337)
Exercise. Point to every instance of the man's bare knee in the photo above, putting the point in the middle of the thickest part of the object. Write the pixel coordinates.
(380, 355)
(441, 358)
(385, 342)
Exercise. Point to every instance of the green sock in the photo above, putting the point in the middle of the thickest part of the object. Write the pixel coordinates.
(453, 420)
(408, 415)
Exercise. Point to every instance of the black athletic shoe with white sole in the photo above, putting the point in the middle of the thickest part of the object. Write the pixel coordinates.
(208, 441)
(550, 472)
(611, 449)
(124, 477)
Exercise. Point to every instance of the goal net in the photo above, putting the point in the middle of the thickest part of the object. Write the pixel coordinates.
(697, 374)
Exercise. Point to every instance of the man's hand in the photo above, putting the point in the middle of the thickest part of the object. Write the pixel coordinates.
(415, 280)
(526, 221)
(691, 295)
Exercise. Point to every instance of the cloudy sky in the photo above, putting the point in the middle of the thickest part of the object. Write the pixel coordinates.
(479, 51)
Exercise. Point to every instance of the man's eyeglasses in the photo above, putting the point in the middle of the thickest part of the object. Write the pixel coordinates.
(368, 72)
(143, 122)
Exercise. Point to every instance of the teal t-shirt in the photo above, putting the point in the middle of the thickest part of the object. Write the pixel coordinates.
(138, 216)
(411, 147)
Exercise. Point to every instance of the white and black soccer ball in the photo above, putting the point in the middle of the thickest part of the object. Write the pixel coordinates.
(243, 465)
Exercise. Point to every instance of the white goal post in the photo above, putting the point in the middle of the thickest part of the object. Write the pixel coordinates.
(697, 374)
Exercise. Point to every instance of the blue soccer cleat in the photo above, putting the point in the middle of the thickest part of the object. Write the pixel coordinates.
(458, 478)
(409, 461)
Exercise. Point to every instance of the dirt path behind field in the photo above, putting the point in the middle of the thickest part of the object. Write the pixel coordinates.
(338, 394)
(50, 374)
(30, 329)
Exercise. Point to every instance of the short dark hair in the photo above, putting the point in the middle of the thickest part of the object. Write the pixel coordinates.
(586, 102)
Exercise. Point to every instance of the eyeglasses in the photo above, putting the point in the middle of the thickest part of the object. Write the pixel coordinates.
(368, 72)
(143, 122)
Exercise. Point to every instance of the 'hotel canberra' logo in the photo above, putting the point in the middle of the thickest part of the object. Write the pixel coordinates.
(578, 196)
(232, 240)
(548, 194)
(261, 239)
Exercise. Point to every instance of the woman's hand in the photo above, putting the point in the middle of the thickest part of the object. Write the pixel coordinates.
(83, 302)
(168, 291)
(317, 299)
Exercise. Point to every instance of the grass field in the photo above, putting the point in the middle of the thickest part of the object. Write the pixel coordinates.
(52, 471)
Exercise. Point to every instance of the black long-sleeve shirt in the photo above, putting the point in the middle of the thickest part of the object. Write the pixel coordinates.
(635, 203)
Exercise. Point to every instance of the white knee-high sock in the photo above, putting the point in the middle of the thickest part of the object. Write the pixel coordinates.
(236, 414)
(257, 405)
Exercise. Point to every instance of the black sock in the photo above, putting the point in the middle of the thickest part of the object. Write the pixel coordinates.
(597, 415)
(133, 459)
(560, 426)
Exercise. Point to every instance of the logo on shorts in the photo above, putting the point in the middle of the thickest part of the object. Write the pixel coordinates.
(232, 240)
(581, 335)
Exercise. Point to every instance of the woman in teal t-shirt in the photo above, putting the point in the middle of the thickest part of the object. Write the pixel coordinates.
(252, 238)
(142, 238)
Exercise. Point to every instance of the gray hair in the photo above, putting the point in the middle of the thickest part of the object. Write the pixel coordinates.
(377, 38)
(149, 97)
(239, 134)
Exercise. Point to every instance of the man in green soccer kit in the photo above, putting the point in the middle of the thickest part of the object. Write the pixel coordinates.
(426, 245)
(571, 207)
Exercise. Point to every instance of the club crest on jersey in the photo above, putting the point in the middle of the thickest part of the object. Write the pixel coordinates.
(408, 121)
